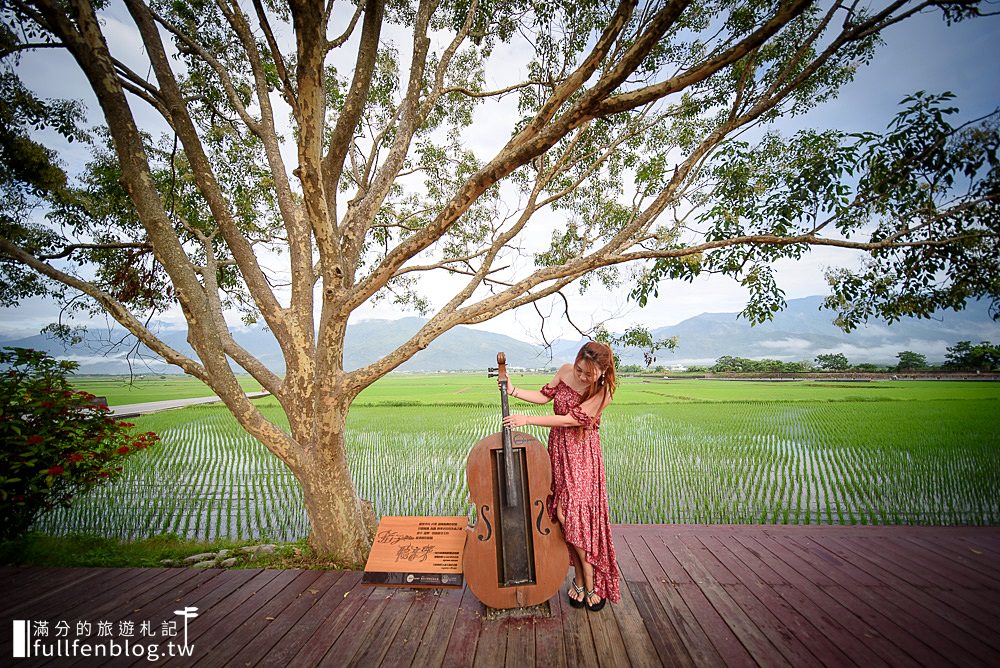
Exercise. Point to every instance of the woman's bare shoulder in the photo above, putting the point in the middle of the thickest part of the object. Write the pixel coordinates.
(561, 375)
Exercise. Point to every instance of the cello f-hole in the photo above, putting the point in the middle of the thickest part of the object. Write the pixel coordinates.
(538, 520)
(489, 527)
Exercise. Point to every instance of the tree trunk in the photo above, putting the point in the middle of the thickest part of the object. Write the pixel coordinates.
(342, 524)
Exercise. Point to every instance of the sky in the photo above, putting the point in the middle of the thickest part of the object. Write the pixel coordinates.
(919, 54)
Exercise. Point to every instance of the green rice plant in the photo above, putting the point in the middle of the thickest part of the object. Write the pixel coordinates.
(918, 453)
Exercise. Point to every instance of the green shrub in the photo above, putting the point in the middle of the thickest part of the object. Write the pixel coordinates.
(56, 442)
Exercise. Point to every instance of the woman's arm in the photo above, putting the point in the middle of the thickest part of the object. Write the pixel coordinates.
(515, 420)
(531, 396)
(593, 408)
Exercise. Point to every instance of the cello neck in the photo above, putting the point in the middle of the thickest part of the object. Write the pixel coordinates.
(511, 476)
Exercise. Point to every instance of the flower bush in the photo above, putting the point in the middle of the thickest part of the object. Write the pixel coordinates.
(57, 443)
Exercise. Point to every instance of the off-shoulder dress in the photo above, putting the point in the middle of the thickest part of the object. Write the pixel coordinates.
(580, 489)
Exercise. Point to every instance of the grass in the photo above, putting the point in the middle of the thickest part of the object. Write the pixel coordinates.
(907, 452)
(81, 550)
(121, 390)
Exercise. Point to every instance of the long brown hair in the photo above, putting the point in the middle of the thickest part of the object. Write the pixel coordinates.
(600, 355)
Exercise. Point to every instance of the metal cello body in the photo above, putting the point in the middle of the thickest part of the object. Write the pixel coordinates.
(515, 556)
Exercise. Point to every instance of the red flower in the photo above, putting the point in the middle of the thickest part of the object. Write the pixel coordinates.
(56, 470)
(141, 445)
(125, 424)
(122, 450)
(103, 474)
(75, 457)
(35, 440)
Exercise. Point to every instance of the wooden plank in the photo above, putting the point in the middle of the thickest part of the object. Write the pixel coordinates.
(639, 644)
(743, 622)
(927, 568)
(492, 645)
(685, 626)
(350, 640)
(869, 596)
(889, 627)
(352, 617)
(962, 568)
(230, 614)
(921, 614)
(286, 622)
(412, 630)
(834, 622)
(719, 633)
(155, 605)
(981, 540)
(344, 591)
(134, 600)
(217, 586)
(814, 638)
(133, 587)
(217, 604)
(649, 637)
(23, 584)
(234, 634)
(550, 650)
(72, 595)
(371, 648)
(828, 599)
(434, 643)
(608, 644)
(464, 639)
(973, 606)
(798, 640)
(577, 638)
(520, 649)
(660, 629)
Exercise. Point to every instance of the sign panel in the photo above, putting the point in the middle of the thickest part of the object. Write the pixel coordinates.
(417, 552)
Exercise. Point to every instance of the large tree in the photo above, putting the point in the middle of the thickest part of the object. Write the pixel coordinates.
(314, 156)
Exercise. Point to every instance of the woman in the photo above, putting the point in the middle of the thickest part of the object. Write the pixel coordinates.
(579, 499)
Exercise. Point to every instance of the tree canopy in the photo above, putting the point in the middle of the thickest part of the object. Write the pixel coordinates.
(309, 157)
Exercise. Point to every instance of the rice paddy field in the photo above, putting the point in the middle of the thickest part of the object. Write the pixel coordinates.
(675, 451)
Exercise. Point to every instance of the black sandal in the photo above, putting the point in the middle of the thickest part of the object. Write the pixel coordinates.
(576, 602)
(596, 606)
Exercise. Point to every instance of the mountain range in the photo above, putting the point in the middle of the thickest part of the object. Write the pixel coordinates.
(799, 332)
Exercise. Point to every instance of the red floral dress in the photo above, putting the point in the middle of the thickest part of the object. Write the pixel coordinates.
(580, 489)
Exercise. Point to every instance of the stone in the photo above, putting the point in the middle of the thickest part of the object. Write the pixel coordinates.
(228, 563)
(259, 549)
(205, 564)
(167, 563)
(195, 558)
(222, 554)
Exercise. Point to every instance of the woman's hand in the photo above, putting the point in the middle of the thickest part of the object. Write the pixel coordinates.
(514, 421)
(510, 387)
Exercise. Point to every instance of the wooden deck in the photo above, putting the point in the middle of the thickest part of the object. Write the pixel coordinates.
(692, 595)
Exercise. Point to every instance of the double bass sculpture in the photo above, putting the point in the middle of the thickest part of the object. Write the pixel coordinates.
(515, 556)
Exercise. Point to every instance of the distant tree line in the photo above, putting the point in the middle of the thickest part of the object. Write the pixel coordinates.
(963, 356)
